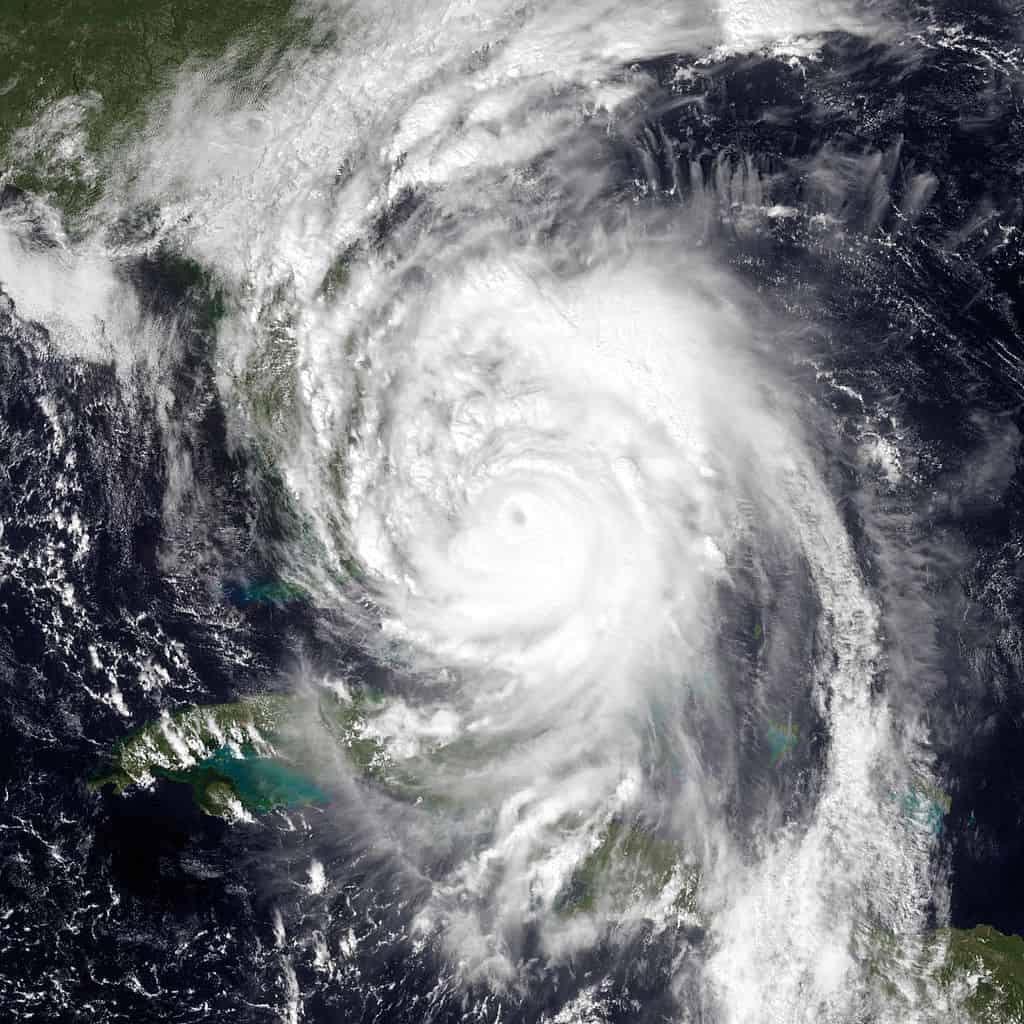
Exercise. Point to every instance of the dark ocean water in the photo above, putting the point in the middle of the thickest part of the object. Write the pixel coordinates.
(140, 908)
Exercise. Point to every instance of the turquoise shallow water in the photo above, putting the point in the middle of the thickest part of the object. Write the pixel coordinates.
(267, 591)
(261, 782)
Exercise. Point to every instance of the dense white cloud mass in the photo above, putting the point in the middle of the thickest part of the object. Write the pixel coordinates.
(549, 458)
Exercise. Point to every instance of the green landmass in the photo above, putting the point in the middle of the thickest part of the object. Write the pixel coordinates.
(270, 376)
(231, 756)
(336, 278)
(345, 721)
(992, 967)
(199, 746)
(93, 67)
(176, 741)
(976, 973)
(629, 863)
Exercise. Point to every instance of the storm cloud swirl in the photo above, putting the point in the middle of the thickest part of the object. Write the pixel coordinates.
(566, 478)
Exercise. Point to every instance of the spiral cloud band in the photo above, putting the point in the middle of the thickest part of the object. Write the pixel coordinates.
(555, 472)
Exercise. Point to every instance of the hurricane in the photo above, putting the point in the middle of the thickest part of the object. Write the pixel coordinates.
(556, 601)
